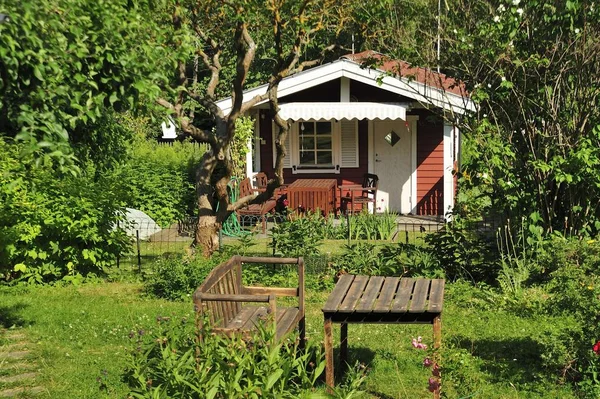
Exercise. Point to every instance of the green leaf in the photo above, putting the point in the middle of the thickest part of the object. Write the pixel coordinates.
(113, 98)
(37, 73)
(20, 267)
(273, 379)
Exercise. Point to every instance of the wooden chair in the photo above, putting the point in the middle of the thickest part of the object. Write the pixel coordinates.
(258, 211)
(364, 194)
(232, 307)
(260, 181)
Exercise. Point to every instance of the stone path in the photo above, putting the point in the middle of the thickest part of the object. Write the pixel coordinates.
(17, 366)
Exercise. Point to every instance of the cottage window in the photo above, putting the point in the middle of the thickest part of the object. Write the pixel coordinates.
(315, 144)
(321, 146)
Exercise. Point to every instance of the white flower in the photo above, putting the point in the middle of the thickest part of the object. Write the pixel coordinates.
(501, 8)
(489, 86)
(503, 78)
(496, 19)
(516, 2)
(455, 31)
(485, 175)
(576, 30)
(520, 11)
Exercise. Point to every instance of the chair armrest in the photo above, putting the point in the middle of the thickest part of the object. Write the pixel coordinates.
(277, 291)
(202, 296)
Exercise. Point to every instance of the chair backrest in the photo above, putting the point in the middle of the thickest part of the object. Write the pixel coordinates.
(371, 182)
(261, 180)
(245, 188)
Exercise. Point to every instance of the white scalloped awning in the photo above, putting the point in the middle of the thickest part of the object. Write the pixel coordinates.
(338, 111)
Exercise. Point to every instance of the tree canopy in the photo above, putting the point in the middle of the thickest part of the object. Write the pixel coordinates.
(66, 63)
(533, 67)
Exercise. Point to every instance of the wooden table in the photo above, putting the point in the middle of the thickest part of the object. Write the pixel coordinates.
(378, 299)
(313, 194)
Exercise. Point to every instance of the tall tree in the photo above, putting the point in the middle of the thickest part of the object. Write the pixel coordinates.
(533, 67)
(225, 31)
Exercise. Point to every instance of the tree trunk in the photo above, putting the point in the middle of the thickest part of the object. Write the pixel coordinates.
(212, 176)
(207, 234)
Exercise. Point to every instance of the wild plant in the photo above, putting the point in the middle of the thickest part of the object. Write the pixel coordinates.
(299, 236)
(514, 259)
(174, 361)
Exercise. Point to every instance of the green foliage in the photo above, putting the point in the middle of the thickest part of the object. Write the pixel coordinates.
(390, 260)
(300, 236)
(465, 252)
(106, 143)
(360, 258)
(65, 63)
(411, 260)
(533, 146)
(52, 226)
(159, 179)
(367, 226)
(172, 362)
(514, 259)
(177, 277)
(244, 131)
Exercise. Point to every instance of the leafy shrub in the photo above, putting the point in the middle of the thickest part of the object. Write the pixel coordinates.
(172, 362)
(177, 277)
(54, 226)
(159, 179)
(465, 252)
(410, 260)
(298, 237)
(570, 269)
(359, 258)
(389, 260)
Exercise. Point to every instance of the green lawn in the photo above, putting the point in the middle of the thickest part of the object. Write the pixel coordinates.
(79, 337)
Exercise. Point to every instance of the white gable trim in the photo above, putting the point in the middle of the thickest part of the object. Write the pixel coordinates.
(344, 68)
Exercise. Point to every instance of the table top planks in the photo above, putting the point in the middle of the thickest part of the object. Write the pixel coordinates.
(378, 295)
(323, 184)
(353, 294)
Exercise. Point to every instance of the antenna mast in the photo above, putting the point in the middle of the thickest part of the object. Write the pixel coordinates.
(439, 28)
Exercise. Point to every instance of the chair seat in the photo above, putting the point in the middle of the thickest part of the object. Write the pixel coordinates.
(258, 209)
(250, 316)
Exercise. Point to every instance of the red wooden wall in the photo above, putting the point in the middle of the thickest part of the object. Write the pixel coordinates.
(430, 164)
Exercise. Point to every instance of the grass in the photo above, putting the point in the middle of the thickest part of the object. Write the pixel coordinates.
(80, 338)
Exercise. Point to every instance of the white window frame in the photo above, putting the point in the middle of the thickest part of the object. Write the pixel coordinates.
(294, 150)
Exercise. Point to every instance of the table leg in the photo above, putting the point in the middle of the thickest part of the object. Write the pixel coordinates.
(437, 341)
(329, 373)
(344, 346)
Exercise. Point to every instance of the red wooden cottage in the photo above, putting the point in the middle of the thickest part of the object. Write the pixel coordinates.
(348, 120)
